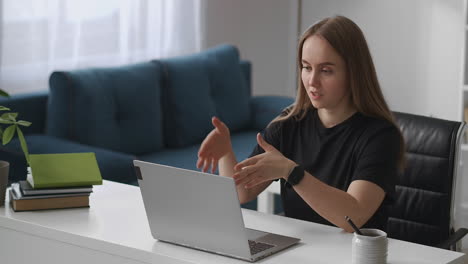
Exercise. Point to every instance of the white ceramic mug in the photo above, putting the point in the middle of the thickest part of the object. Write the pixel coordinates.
(370, 247)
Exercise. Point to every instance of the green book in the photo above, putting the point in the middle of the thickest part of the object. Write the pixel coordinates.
(63, 170)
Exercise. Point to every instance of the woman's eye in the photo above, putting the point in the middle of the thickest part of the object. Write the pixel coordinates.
(326, 70)
(307, 68)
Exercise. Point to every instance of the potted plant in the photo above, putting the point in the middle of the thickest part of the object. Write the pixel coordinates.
(13, 126)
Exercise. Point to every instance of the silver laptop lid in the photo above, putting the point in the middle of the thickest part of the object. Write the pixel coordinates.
(193, 208)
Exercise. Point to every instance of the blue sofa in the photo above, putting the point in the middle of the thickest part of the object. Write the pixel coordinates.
(157, 111)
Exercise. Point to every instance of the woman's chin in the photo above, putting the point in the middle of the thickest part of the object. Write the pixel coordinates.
(316, 104)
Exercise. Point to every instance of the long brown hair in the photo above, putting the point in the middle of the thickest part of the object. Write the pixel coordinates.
(366, 96)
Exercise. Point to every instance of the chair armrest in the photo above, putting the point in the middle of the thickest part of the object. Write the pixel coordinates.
(453, 239)
(31, 107)
(266, 108)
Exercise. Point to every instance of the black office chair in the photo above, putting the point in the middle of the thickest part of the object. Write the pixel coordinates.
(423, 209)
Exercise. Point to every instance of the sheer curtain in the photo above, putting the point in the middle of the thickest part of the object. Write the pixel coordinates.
(40, 36)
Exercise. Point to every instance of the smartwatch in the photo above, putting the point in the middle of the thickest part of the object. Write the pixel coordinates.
(296, 175)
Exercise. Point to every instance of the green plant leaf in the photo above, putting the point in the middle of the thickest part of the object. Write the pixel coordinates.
(24, 123)
(8, 134)
(3, 93)
(7, 122)
(10, 116)
(3, 108)
(24, 146)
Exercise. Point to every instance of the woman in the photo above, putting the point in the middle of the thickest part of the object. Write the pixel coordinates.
(336, 150)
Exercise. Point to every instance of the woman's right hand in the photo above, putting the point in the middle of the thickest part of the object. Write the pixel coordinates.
(215, 146)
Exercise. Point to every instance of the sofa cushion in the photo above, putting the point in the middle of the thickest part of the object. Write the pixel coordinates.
(115, 108)
(200, 86)
(229, 87)
(243, 143)
(114, 166)
(185, 158)
(188, 106)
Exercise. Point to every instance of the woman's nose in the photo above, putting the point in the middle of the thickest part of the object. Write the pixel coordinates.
(313, 79)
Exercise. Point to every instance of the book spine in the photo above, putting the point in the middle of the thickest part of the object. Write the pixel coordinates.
(38, 185)
(52, 203)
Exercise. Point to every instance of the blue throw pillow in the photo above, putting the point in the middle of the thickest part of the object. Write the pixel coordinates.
(200, 86)
(229, 88)
(115, 108)
(188, 106)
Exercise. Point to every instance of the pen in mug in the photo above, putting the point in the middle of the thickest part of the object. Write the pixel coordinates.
(348, 219)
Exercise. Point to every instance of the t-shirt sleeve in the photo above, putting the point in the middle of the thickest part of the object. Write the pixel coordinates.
(377, 161)
(271, 134)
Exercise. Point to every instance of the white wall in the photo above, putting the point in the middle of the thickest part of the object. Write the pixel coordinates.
(265, 32)
(416, 46)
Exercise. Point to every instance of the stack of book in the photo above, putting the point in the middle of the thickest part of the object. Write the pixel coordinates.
(25, 198)
(56, 181)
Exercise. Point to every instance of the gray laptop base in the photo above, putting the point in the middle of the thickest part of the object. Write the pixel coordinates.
(202, 211)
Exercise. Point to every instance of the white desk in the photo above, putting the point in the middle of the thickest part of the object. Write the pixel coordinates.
(115, 230)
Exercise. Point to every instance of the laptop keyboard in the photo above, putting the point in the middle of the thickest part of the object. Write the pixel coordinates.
(256, 247)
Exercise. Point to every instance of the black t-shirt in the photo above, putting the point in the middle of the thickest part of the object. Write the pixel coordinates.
(359, 148)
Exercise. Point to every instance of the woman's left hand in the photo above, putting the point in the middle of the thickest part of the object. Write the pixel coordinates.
(264, 167)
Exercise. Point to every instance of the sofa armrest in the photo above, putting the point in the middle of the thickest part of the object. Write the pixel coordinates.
(31, 107)
(114, 166)
(266, 108)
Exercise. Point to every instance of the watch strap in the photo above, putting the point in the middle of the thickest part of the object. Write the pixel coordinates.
(296, 175)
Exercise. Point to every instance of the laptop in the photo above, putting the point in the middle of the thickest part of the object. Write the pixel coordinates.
(202, 211)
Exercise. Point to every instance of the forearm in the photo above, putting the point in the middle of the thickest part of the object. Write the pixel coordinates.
(226, 168)
(333, 204)
(226, 164)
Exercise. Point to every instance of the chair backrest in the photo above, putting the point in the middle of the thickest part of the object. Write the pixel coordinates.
(422, 212)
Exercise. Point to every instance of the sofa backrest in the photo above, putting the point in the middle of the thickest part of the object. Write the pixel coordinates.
(246, 67)
(200, 86)
(115, 108)
(144, 107)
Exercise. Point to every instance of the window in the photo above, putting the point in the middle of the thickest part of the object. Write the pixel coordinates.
(41, 36)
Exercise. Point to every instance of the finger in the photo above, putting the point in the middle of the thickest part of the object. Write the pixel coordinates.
(242, 181)
(199, 162)
(244, 172)
(246, 177)
(265, 146)
(248, 162)
(214, 165)
(206, 165)
(202, 150)
(254, 182)
(219, 125)
(204, 147)
(205, 153)
(215, 121)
